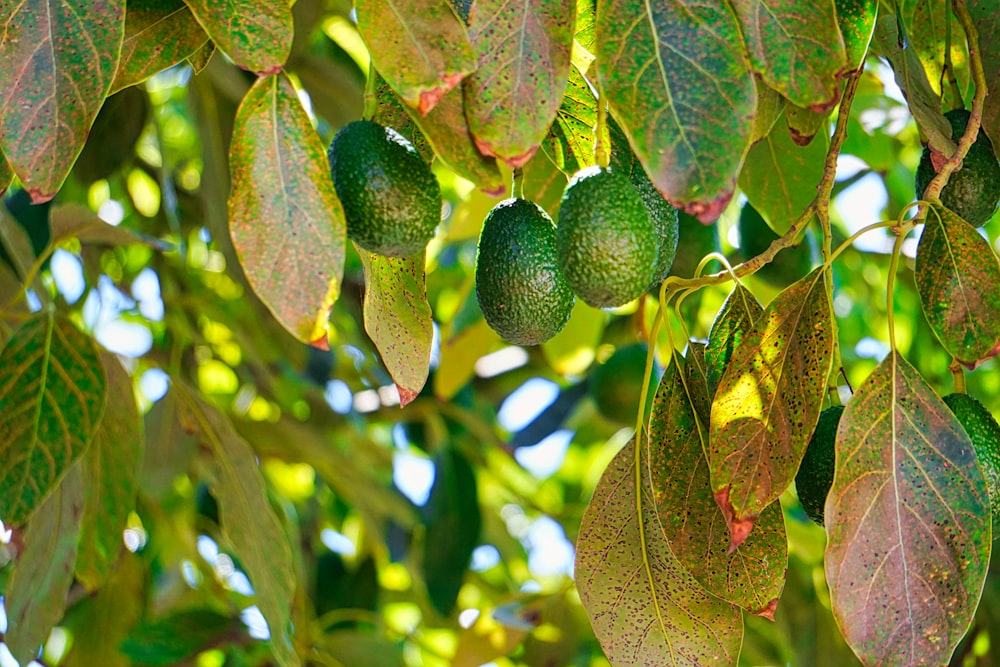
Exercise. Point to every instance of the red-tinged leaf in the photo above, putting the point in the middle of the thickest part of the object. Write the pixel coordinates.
(678, 83)
(419, 46)
(52, 395)
(257, 36)
(732, 325)
(907, 521)
(987, 20)
(643, 605)
(59, 58)
(248, 522)
(158, 35)
(768, 402)
(752, 576)
(398, 318)
(35, 596)
(512, 99)
(795, 49)
(286, 222)
(570, 142)
(958, 280)
(111, 466)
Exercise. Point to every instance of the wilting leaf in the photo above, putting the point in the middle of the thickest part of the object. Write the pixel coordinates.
(768, 402)
(286, 222)
(419, 46)
(907, 520)
(677, 82)
(643, 605)
(987, 21)
(958, 280)
(158, 35)
(732, 325)
(753, 575)
(35, 596)
(52, 395)
(511, 99)
(398, 318)
(257, 36)
(58, 63)
(570, 142)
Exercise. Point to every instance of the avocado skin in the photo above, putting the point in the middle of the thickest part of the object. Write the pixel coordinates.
(616, 385)
(974, 190)
(520, 290)
(608, 248)
(984, 432)
(815, 474)
(391, 199)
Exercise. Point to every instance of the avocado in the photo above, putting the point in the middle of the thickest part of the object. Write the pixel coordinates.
(815, 474)
(984, 432)
(616, 385)
(520, 290)
(391, 199)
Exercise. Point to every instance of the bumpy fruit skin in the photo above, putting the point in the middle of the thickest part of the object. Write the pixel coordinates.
(815, 474)
(616, 385)
(607, 245)
(974, 190)
(984, 432)
(521, 292)
(391, 199)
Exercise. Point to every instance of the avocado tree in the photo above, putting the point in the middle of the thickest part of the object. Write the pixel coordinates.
(260, 404)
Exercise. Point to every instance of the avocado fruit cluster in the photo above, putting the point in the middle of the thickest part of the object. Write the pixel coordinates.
(815, 475)
(984, 432)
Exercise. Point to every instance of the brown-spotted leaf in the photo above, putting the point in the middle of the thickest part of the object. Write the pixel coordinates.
(907, 522)
(58, 63)
(398, 318)
(523, 53)
(678, 83)
(752, 576)
(158, 35)
(570, 142)
(257, 36)
(286, 222)
(52, 394)
(421, 47)
(794, 47)
(856, 20)
(768, 402)
(731, 326)
(643, 605)
(958, 280)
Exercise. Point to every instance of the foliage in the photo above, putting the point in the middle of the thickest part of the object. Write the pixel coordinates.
(230, 437)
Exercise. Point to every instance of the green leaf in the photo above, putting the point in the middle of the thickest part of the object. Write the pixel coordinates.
(35, 597)
(393, 113)
(643, 605)
(856, 20)
(805, 124)
(286, 222)
(170, 640)
(907, 520)
(247, 520)
(459, 353)
(570, 142)
(768, 402)
(52, 395)
(571, 351)
(353, 647)
(926, 24)
(58, 63)
(112, 465)
(158, 35)
(512, 98)
(958, 280)
(113, 137)
(419, 46)
(780, 178)
(794, 49)
(987, 21)
(677, 82)
(6, 175)
(731, 327)
(257, 36)
(586, 11)
(398, 318)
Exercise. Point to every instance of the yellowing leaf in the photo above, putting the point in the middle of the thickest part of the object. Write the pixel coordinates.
(570, 142)
(286, 222)
(257, 36)
(158, 35)
(731, 326)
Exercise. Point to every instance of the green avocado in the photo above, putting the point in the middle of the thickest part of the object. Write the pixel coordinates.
(616, 385)
(984, 432)
(391, 199)
(788, 265)
(815, 474)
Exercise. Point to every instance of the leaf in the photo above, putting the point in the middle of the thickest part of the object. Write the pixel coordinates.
(731, 327)
(112, 140)
(247, 520)
(987, 21)
(398, 318)
(52, 395)
(6, 175)
(112, 464)
(35, 596)
(286, 222)
(907, 520)
(927, 27)
(459, 354)
(170, 640)
(58, 64)
(392, 113)
(678, 83)
(570, 141)
(512, 98)
(753, 575)
(419, 46)
(958, 280)
(804, 125)
(768, 402)
(257, 36)
(793, 48)
(76, 221)
(780, 178)
(856, 20)
(158, 35)
(644, 607)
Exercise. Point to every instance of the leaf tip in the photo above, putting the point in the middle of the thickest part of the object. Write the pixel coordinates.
(406, 396)
(801, 138)
(768, 611)
(429, 98)
(39, 197)
(709, 212)
(739, 528)
(514, 162)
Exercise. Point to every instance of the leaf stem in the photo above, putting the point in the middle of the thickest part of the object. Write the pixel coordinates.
(33, 272)
(957, 376)
(371, 92)
(897, 250)
(517, 184)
